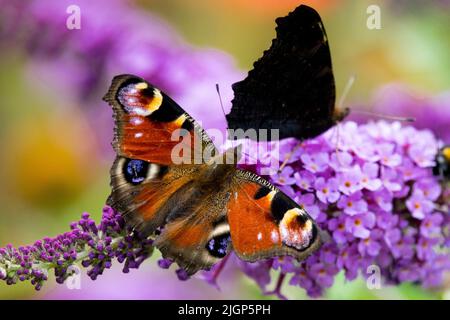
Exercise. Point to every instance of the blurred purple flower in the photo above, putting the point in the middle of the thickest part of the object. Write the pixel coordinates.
(258, 271)
(115, 37)
(387, 154)
(370, 245)
(430, 112)
(323, 274)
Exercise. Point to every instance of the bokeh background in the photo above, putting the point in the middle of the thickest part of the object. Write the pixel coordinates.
(55, 131)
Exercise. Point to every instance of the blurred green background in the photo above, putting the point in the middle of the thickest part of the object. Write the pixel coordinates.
(51, 169)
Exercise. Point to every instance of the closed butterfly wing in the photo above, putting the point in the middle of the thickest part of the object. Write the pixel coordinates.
(291, 88)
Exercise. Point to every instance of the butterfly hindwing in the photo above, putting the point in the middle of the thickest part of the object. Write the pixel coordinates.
(291, 88)
(265, 223)
(177, 200)
(199, 236)
(144, 192)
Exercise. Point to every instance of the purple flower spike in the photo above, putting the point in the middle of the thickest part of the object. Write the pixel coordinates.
(182, 274)
(33, 263)
(165, 263)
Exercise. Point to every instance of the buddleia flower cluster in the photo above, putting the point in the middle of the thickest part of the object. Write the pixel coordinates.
(93, 246)
(371, 188)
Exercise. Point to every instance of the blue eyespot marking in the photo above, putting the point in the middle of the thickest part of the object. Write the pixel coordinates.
(135, 171)
(218, 246)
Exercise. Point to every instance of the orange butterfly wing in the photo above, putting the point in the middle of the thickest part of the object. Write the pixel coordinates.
(149, 125)
(265, 223)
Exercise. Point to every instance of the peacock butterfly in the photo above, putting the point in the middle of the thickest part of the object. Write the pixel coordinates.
(196, 212)
(291, 87)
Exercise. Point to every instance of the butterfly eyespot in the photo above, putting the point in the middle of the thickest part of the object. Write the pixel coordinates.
(218, 246)
(296, 231)
(135, 171)
(140, 99)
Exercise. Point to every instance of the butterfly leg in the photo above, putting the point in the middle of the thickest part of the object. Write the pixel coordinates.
(278, 286)
(289, 156)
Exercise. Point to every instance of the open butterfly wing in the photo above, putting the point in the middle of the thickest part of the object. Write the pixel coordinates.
(265, 223)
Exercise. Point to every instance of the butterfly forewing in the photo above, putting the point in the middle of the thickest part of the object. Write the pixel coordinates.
(151, 126)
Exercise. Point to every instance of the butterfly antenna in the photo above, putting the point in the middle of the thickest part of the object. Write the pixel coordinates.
(289, 156)
(344, 95)
(220, 99)
(250, 156)
(346, 91)
(384, 116)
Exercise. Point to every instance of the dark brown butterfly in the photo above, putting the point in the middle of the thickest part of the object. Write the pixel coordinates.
(291, 88)
(200, 209)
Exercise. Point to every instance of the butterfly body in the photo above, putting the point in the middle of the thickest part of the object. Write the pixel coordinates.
(196, 211)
